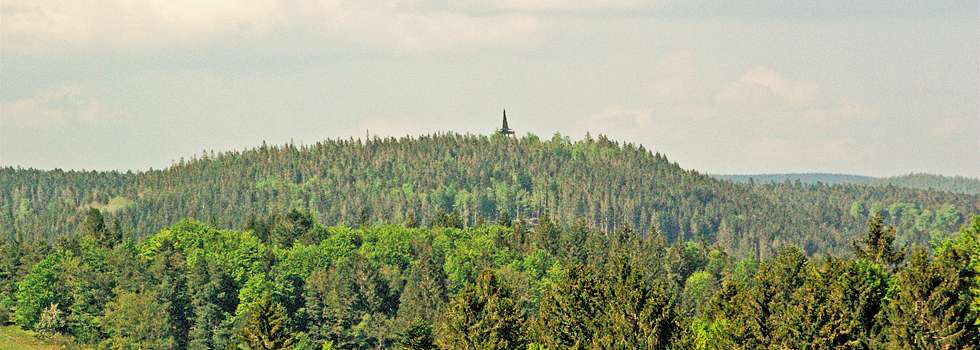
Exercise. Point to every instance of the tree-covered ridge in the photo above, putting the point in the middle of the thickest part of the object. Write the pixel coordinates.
(958, 184)
(482, 179)
(806, 178)
(955, 184)
(289, 282)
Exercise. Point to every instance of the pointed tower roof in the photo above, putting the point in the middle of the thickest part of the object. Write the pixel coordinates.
(504, 129)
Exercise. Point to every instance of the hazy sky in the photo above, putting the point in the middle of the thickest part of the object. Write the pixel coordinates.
(877, 87)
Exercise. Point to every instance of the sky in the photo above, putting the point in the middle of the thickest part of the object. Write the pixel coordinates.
(874, 87)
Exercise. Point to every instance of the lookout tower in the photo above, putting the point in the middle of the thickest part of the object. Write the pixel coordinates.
(504, 129)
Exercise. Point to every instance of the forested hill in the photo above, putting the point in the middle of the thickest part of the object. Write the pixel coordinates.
(955, 184)
(958, 184)
(415, 180)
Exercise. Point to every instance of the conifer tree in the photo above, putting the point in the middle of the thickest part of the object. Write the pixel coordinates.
(266, 327)
(638, 311)
(879, 244)
(570, 310)
(932, 308)
(483, 316)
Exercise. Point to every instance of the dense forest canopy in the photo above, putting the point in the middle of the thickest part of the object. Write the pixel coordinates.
(481, 179)
(287, 282)
(457, 241)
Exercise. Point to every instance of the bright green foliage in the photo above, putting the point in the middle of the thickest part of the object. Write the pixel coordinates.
(483, 316)
(837, 307)
(239, 253)
(472, 250)
(698, 290)
(43, 286)
(758, 312)
(388, 286)
(967, 244)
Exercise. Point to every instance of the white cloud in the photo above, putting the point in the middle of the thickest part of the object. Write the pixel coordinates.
(799, 153)
(764, 91)
(55, 107)
(760, 85)
(761, 118)
(394, 25)
(40, 25)
(45, 25)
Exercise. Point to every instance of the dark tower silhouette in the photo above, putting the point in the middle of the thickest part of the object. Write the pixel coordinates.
(504, 129)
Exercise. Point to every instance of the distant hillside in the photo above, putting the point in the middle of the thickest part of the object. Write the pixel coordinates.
(955, 184)
(479, 179)
(806, 178)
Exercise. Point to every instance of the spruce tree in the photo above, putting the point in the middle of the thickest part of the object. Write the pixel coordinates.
(878, 245)
(483, 315)
(932, 308)
(266, 327)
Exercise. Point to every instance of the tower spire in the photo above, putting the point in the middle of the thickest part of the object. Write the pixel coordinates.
(504, 129)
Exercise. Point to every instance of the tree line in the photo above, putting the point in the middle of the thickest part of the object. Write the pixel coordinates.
(287, 281)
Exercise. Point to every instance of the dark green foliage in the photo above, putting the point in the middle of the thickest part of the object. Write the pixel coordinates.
(212, 302)
(932, 307)
(417, 336)
(879, 244)
(483, 316)
(425, 293)
(638, 311)
(351, 306)
(94, 223)
(570, 311)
